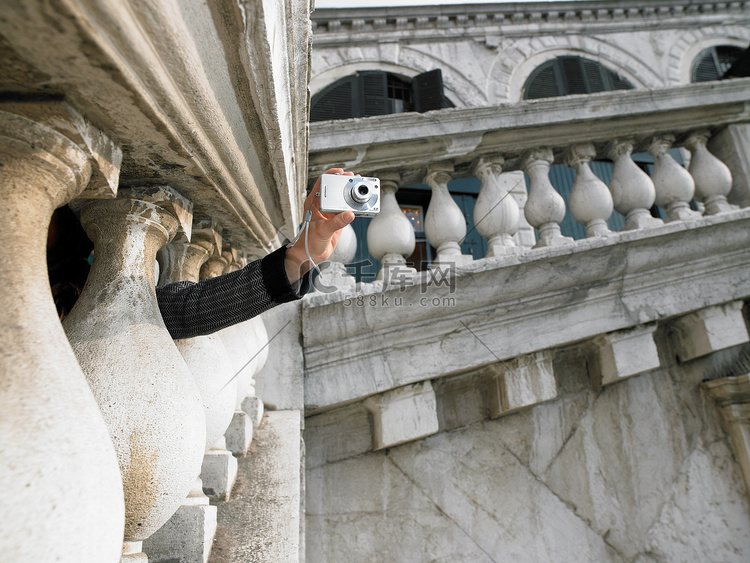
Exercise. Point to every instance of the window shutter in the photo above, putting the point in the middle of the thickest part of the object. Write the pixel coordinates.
(705, 68)
(427, 91)
(335, 102)
(596, 75)
(726, 56)
(573, 72)
(545, 84)
(374, 93)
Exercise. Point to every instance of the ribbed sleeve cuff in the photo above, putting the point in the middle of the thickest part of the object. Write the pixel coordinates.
(276, 282)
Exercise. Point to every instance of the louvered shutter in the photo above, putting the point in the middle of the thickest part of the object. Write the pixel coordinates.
(544, 83)
(572, 70)
(705, 68)
(595, 76)
(373, 93)
(427, 91)
(335, 102)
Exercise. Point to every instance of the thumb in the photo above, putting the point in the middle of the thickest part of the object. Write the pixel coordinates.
(330, 227)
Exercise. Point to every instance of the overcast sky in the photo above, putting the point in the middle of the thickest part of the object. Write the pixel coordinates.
(376, 3)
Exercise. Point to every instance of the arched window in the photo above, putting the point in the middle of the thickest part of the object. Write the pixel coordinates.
(564, 76)
(374, 92)
(713, 62)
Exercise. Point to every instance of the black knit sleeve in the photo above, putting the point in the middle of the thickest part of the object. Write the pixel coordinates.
(194, 309)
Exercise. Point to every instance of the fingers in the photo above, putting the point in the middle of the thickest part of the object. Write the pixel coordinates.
(327, 228)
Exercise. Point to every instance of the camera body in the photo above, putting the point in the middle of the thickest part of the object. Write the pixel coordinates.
(349, 193)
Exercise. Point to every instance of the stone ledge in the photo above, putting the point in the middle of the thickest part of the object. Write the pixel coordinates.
(519, 305)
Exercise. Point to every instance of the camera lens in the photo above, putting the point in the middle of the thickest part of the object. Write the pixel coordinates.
(361, 193)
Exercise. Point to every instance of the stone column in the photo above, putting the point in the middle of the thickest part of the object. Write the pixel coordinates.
(188, 534)
(58, 469)
(333, 275)
(590, 200)
(390, 236)
(545, 208)
(673, 184)
(444, 224)
(633, 192)
(496, 212)
(713, 180)
(144, 389)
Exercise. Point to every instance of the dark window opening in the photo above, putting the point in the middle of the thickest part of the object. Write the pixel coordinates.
(714, 62)
(565, 76)
(375, 92)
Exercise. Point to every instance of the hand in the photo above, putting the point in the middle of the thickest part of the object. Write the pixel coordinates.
(323, 235)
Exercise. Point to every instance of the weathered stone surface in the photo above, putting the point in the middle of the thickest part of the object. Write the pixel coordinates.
(218, 473)
(337, 434)
(280, 381)
(521, 382)
(706, 516)
(262, 523)
(403, 414)
(616, 470)
(709, 330)
(239, 435)
(185, 538)
(619, 355)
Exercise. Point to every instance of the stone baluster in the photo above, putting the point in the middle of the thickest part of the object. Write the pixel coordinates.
(257, 339)
(390, 236)
(496, 212)
(231, 256)
(333, 274)
(63, 492)
(144, 388)
(590, 200)
(189, 532)
(545, 208)
(214, 266)
(633, 192)
(444, 224)
(713, 180)
(673, 184)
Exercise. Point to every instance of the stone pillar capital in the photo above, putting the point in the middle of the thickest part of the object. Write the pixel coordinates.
(619, 147)
(438, 173)
(488, 165)
(582, 153)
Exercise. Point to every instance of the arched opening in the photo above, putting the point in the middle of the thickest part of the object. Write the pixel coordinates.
(568, 75)
(714, 62)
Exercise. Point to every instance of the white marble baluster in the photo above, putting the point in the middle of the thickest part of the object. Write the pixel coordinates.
(590, 201)
(673, 184)
(545, 208)
(713, 180)
(189, 533)
(58, 470)
(390, 236)
(633, 192)
(333, 274)
(144, 388)
(496, 213)
(444, 223)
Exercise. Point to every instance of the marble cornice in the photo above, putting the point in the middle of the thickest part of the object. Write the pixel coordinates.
(335, 25)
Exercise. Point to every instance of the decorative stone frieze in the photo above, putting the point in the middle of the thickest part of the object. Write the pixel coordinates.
(590, 200)
(713, 180)
(444, 224)
(619, 355)
(496, 213)
(674, 185)
(144, 388)
(520, 383)
(390, 236)
(708, 330)
(63, 490)
(633, 192)
(732, 396)
(403, 414)
(545, 208)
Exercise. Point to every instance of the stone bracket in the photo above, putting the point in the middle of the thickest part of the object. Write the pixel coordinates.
(402, 415)
(521, 382)
(619, 355)
(708, 330)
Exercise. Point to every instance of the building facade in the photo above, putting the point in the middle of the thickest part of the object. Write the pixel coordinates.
(549, 395)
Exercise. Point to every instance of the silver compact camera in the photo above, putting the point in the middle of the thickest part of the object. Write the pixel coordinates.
(349, 193)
